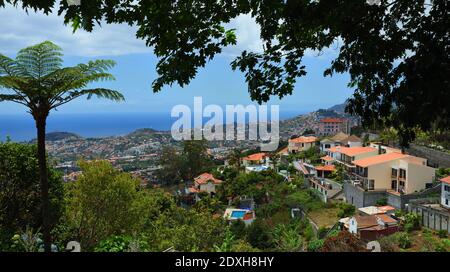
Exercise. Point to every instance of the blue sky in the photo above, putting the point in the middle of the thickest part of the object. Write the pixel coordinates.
(135, 70)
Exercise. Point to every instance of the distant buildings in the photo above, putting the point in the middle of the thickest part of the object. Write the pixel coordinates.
(331, 126)
(302, 143)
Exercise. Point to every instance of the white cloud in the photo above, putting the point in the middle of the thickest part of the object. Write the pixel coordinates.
(20, 29)
(248, 35)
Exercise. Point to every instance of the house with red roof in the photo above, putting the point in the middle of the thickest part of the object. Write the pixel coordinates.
(302, 143)
(204, 183)
(445, 192)
(372, 227)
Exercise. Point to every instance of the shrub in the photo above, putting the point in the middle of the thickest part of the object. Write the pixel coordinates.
(412, 222)
(382, 202)
(346, 210)
(315, 245)
(442, 234)
(403, 240)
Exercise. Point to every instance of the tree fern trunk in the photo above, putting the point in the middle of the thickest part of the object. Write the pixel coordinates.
(40, 125)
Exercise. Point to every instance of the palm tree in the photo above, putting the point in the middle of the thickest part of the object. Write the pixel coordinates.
(36, 79)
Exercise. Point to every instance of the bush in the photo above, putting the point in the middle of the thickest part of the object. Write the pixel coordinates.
(346, 210)
(382, 202)
(442, 234)
(403, 240)
(315, 245)
(412, 222)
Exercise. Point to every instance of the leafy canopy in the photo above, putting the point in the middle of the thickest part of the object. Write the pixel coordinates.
(37, 80)
(397, 53)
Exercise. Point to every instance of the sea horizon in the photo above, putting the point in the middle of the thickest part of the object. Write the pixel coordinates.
(20, 127)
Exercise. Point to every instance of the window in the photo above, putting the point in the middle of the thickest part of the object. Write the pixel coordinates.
(394, 172)
(402, 174)
(446, 202)
(447, 188)
(371, 184)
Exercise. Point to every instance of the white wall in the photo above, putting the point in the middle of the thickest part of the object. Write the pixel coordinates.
(445, 195)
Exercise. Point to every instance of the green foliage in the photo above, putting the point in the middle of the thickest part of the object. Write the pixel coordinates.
(20, 193)
(259, 235)
(307, 199)
(238, 229)
(410, 38)
(411, 222)
(315, 245)
(243, 246)
(442, 234)
(104, 202)
(287, 238)
(382, 202)
(227, 243)
(403, 240)
(346, 210)
(190, 162)
(186, 231)
(115, 243)
(28, 241)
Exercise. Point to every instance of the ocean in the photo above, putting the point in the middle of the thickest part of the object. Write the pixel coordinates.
(21, 127)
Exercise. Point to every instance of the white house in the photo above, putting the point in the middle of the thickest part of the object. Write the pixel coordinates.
(445, 193)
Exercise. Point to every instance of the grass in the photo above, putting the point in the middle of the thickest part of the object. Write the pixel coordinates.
(325, 217)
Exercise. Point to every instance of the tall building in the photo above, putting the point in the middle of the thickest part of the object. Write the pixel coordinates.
(331, 126)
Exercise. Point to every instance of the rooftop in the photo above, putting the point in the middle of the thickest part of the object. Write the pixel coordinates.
(205, 178)
(357, 150)
(304, 139)
(379, 159)
(255, 157)
(327, 158)
(327, 168)
(332, 120)
(445, 180)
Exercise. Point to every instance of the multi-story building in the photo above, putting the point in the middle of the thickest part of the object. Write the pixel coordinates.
(331, 126)
(390, 176)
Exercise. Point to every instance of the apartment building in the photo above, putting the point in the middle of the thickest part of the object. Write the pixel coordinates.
(331, 126)
(391, 176)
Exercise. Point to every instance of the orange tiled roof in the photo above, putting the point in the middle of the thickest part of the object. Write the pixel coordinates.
(334, 149)
(352, 151)
(255, 157)
(445, 180)
(379, 159)
(332, 120)
(283, 151)
(205, 178)
(328, 168)
(304, 139)
(194, 190)
(327, 158)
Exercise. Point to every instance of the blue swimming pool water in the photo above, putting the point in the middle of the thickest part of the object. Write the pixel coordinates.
(237, 214)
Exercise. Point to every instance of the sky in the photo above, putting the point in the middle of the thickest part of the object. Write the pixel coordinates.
(135, 70)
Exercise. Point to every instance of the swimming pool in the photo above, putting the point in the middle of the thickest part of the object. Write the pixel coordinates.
(237, 214)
